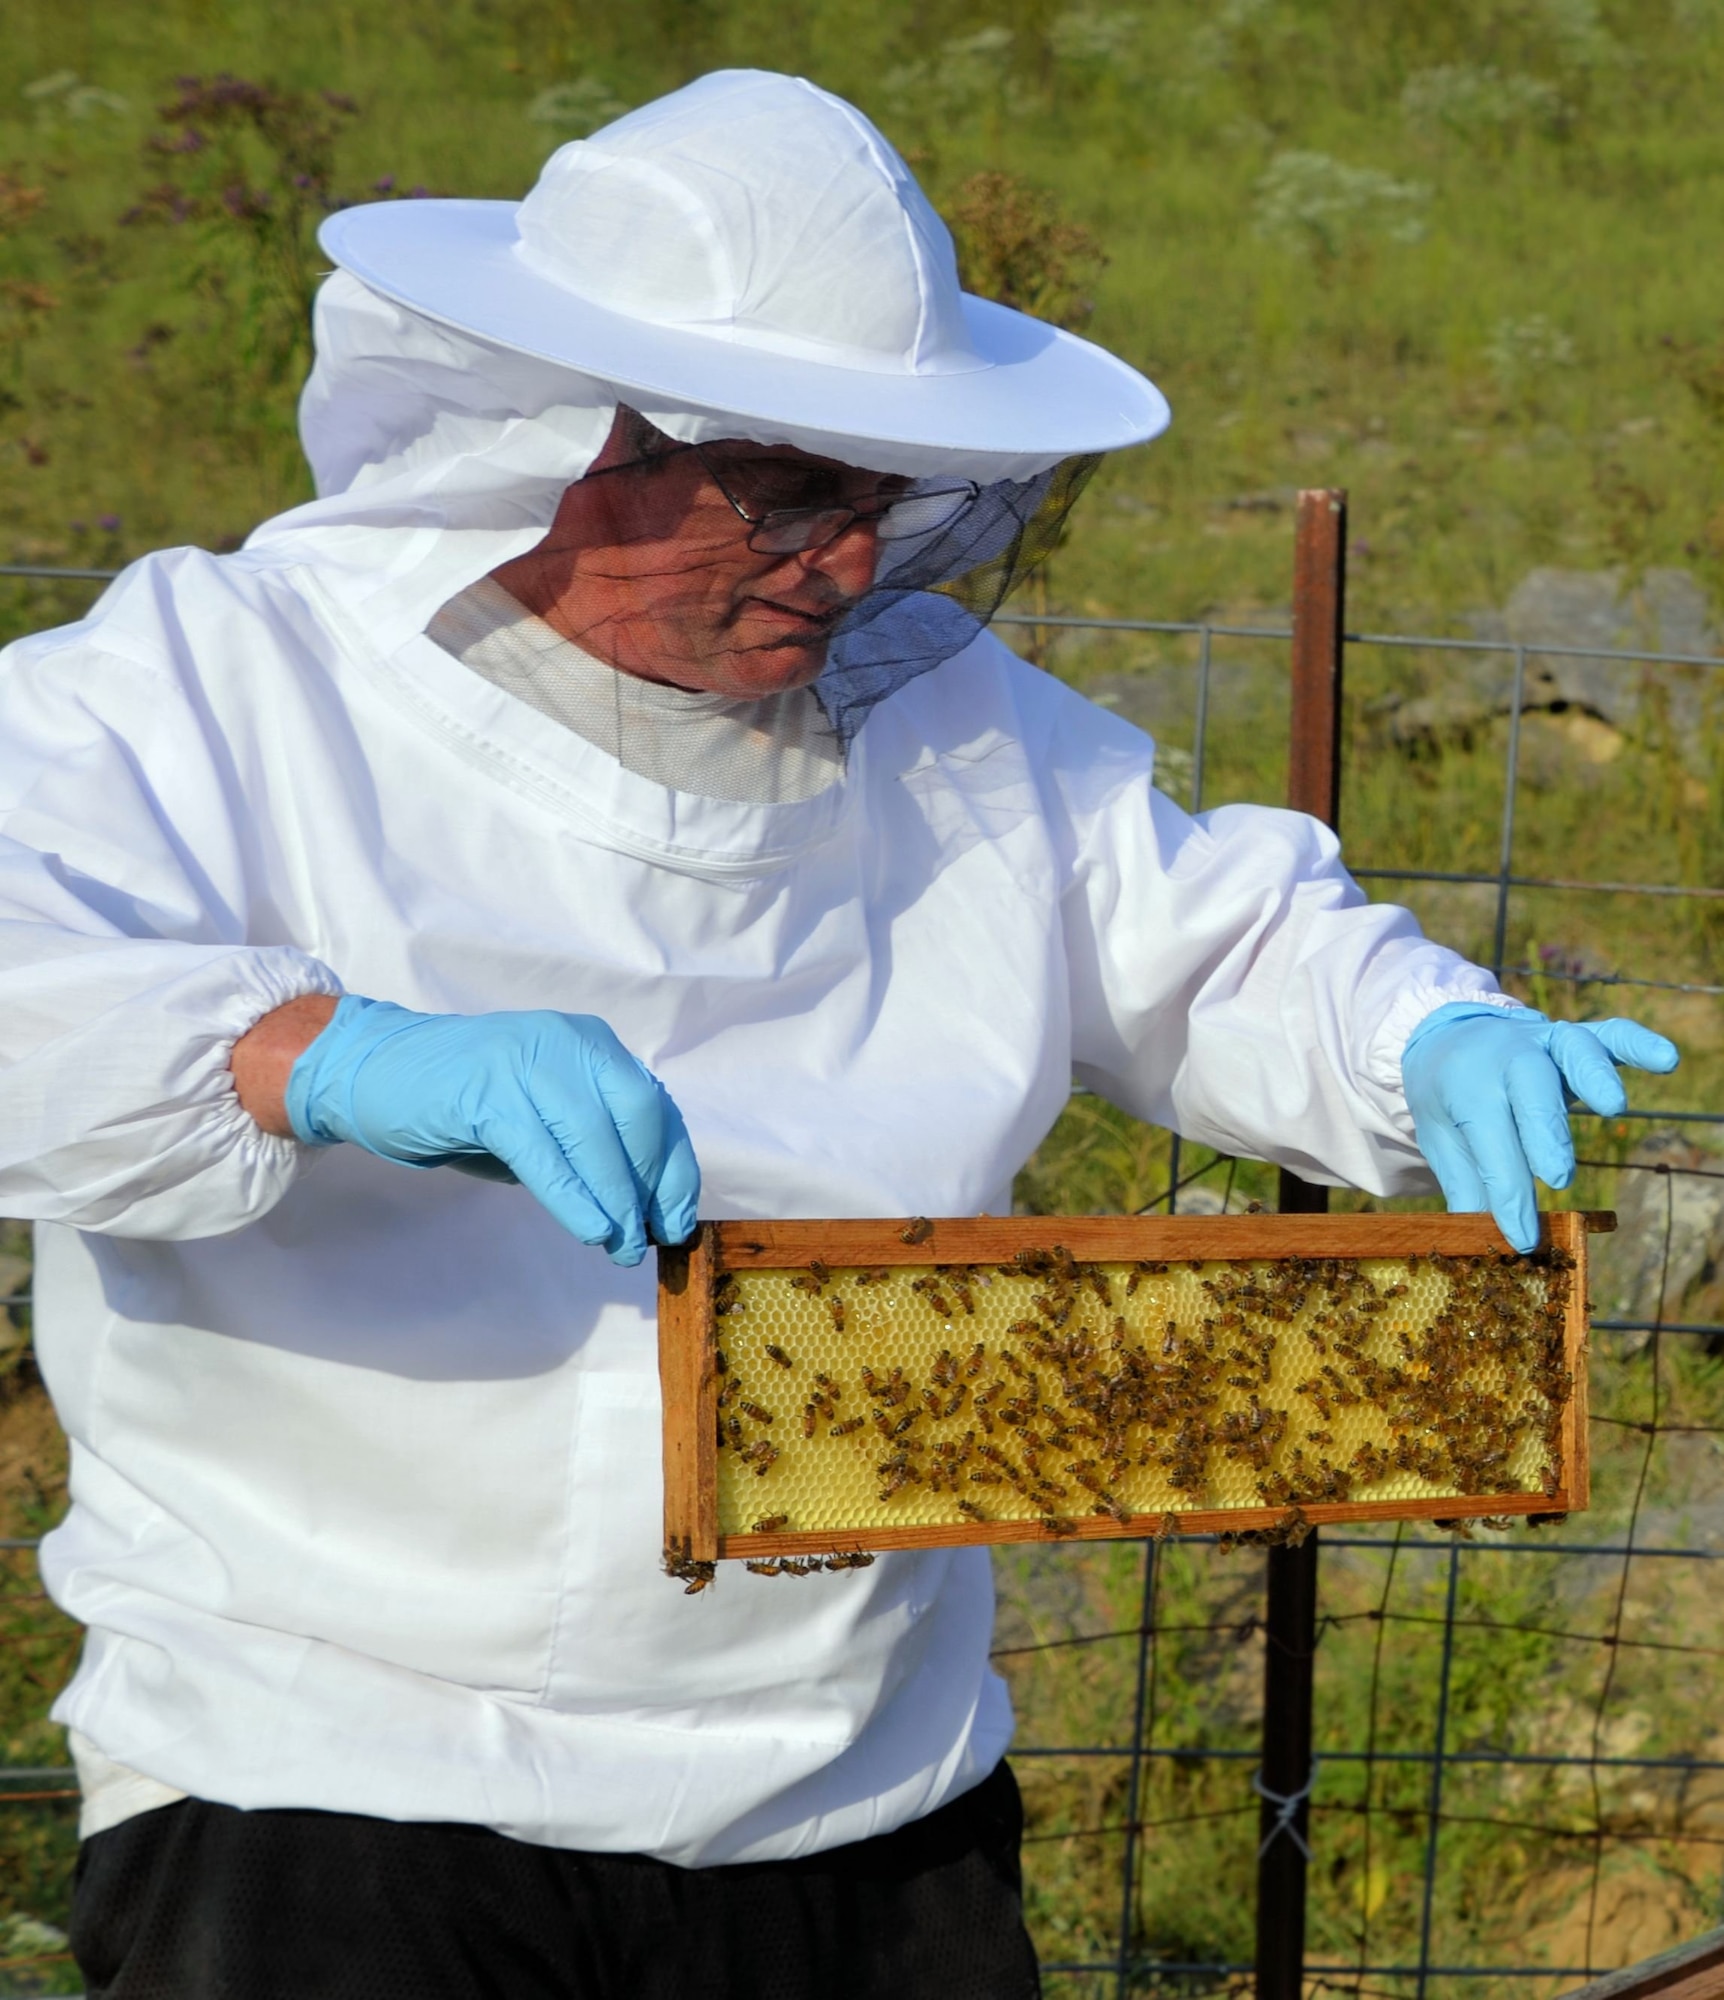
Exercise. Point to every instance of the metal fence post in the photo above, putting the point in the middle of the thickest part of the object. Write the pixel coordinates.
(1290, 1613)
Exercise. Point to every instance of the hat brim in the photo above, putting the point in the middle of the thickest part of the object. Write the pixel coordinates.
(1041, 393)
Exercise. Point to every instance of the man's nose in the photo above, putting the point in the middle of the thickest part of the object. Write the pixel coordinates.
(848, 560)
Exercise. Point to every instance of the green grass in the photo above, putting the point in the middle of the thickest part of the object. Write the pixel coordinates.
(1531, 375)
(1534, 380)
(38, 1649)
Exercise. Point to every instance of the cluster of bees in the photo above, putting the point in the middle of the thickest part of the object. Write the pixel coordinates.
(695, 1576)
(1075, 1412)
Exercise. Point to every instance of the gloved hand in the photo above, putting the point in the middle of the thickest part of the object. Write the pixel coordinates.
(1488, 1088)
(556, 1098)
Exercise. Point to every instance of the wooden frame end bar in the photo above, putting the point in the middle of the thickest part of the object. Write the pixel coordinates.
(688, 1382)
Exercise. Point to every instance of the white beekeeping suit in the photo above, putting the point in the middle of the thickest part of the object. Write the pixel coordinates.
(365, 1462)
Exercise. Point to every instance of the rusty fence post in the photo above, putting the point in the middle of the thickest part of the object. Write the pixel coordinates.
(1290, 1613)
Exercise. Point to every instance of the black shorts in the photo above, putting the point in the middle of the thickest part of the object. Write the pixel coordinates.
(205, 1902)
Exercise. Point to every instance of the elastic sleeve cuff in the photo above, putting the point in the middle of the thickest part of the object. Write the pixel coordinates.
(160, 1146)
(1417, 1003)
(270, 978)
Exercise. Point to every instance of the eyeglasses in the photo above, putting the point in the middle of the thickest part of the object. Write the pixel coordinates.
(781, 529)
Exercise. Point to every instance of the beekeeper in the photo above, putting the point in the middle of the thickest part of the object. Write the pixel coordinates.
(608, 772)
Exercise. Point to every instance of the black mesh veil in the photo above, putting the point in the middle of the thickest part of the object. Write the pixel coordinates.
(931, 598)
(794, 592)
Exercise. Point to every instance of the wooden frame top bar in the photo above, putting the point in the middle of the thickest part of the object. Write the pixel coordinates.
(991, 1239)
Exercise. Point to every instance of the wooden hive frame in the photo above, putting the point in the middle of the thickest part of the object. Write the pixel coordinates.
(691, 1276)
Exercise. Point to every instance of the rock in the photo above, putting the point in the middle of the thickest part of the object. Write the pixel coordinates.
(1629, 1269)
(1666, 612)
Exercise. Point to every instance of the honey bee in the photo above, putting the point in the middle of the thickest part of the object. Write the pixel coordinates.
(810, 1417)
(694, 1576)
(847, 1428)
(719, 1362)
(917, 1230)
(770, 1567)
(755, 1411)
(970, 1508)
(777, 1353)
(836, 1308)
(973, 1367)
(832, 1389)
(819, 1273)
(769, 1524)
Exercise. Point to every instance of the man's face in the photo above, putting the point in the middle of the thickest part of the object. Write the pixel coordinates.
(650, 567)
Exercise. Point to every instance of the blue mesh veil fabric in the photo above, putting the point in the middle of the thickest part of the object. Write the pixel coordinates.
(931, 598)
(686, 565)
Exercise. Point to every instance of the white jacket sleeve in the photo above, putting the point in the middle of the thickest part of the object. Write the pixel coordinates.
(125, 971)
(1229, 980)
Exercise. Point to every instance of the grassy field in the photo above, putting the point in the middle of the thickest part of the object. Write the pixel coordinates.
(1459, 256)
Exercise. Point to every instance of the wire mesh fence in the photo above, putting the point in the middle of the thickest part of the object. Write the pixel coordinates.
(1516, 1743)
(1518, 1778)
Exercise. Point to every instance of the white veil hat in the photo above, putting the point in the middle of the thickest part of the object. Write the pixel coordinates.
(750, 245)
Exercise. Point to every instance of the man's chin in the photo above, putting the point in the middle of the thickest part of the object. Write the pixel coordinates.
(778, 667)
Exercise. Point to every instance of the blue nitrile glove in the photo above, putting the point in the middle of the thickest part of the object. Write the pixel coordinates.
(1488, 1088)
(555, 1098)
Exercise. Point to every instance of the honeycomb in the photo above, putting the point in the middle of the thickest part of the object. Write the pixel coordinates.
(1046, 1388)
